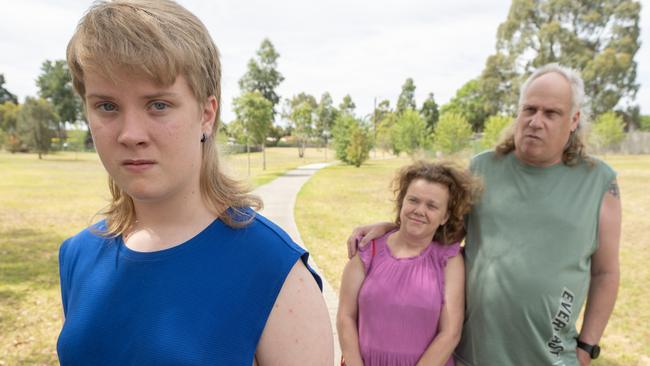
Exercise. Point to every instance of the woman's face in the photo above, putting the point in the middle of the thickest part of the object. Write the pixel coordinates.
(147, 135)
(424, 208)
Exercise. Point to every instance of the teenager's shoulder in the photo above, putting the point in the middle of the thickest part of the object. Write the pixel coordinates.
(271, 234)
(87, 239)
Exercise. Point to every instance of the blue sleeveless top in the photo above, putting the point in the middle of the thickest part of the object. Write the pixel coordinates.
(204, 302)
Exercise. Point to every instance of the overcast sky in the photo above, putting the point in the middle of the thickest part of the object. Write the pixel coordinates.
(364, 48)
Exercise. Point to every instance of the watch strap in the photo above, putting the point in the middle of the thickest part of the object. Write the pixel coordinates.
(592, 349)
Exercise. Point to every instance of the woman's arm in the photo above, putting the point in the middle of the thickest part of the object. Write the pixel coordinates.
(451, 316)
(298, 331)
(367, 233)
(346, 319)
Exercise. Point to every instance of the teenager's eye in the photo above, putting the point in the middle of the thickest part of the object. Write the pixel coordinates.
(159, 106)
(107, 107)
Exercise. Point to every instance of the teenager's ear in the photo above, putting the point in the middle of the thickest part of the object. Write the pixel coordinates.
(209, 115)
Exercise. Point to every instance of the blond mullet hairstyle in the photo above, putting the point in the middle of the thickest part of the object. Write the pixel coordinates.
(158, 40)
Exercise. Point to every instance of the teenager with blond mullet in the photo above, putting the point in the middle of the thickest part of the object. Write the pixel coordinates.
(182, 271)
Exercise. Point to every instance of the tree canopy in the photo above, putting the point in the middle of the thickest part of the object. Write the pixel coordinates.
(598, 38)
(406, 99)
(262, 73)
(255, 114)
(6, 95)
(36, 124)
(429, 112)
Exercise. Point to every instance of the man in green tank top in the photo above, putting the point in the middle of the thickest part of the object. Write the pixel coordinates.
(543, 239)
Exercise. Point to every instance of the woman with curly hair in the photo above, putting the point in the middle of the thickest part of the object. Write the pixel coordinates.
(402, 295)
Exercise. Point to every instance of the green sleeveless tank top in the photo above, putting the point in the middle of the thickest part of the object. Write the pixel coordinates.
(528, 257)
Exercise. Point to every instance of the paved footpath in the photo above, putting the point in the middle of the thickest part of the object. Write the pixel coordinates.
(279, 198)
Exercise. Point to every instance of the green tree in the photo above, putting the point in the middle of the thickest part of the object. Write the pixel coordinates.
(37, 121)
(406, 99)
(386, 139)
(8, 116)
(494, 127)
(470, 103)
(497, 88)
(325, 116)
(256, 114)
(600, 38)
(8, 126)
(302, 114)
(452, 133)
(344, 127)
(55, 85)
(358, 150)
(411, 133)
(378, 114)
(6, 95)
(262, 74)
(347, 106)
(429, 112)
(277, 133)
(645, 123)
(608, 130)
(237, 130)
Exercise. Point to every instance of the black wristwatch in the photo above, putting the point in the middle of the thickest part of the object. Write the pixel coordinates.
(592, 349)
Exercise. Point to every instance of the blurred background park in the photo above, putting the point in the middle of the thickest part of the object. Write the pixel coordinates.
(366, 88)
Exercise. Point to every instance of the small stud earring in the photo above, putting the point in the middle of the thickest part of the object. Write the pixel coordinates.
(203, 137)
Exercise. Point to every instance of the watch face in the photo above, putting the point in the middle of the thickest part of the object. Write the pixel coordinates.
(595, 352)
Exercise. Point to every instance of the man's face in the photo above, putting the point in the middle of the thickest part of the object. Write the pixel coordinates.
(544, 121)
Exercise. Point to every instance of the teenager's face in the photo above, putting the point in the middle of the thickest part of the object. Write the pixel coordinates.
(148, 136)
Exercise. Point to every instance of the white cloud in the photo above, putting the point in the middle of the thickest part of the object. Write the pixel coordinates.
(364, 48)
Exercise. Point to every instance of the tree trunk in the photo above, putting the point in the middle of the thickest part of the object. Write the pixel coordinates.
(248, 153)
(301, 149)
(264, 156)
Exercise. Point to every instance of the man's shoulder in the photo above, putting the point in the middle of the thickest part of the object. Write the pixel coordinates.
(481, 159)
(595, 166)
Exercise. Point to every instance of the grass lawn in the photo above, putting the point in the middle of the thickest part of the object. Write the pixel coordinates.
(42, 202)
(278, 161)
(339, 198)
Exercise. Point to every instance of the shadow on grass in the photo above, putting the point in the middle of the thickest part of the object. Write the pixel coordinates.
(29, 257)
(28, 264)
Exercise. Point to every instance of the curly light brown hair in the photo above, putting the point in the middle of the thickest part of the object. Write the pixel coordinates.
(464, 190)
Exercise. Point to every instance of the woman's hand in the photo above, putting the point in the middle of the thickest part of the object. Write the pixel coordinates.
(362, 235)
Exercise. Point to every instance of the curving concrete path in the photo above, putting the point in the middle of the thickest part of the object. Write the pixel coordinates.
(279, 198)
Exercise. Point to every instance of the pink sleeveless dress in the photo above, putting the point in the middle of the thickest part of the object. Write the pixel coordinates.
(400, 302)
